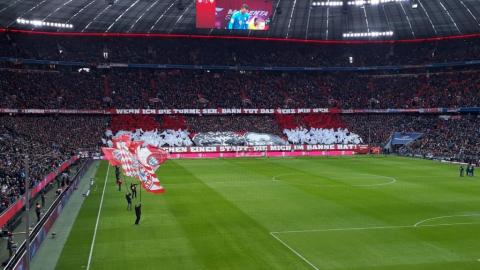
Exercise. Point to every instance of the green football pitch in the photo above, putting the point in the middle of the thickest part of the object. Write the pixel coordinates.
(303, 213)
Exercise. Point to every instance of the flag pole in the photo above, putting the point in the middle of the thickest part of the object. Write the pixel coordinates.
(27, 211)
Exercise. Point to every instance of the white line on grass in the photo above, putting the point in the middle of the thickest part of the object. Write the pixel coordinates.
(376, 228)
(294, 251)
(419, 224)
(98, 218)
(344, 229)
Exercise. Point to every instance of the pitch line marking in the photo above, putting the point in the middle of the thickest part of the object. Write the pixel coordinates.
(377, 227)
(418, 224)
(392, 181)
(294, 251)
(98, 218)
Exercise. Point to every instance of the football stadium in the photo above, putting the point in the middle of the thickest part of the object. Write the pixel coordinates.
(239, 134)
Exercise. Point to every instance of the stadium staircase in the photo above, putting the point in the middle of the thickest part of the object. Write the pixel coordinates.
(107, 91)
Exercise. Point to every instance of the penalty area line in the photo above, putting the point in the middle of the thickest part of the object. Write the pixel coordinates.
(98, 218)
(415, 226)
(419, 224)
(294, 251)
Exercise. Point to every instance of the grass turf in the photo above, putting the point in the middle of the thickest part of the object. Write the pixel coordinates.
(303, 213)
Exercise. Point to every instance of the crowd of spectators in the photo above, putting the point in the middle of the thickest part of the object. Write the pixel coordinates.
(48, 141)
(376, 129)
(49, 89)
(455, 138)
(247, 123)
(232, 52)
(448, 136)
(187, 89)
(51, 140)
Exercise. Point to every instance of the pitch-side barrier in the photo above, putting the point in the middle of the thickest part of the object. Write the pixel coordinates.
(40, 231)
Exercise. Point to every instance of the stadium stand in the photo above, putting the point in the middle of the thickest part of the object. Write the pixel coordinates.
(457, 139)
(56, 138)
(186, 89)
(136, 83)
(213, 52)
(48, 141)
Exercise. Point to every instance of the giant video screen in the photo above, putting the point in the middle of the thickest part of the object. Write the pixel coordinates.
(234, 14)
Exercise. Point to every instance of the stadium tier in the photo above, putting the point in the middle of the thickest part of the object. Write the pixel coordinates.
(99, 88)
(252, 152)
(232, 52)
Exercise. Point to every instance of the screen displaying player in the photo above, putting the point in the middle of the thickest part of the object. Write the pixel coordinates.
(234, 14)
(239, 18)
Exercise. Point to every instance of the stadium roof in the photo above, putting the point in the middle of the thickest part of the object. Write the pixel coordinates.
(299, 19)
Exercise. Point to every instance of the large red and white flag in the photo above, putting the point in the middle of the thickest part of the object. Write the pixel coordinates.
(137, 161)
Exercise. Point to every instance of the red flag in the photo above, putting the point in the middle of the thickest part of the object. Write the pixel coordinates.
(125, 138)
(109, 155)
(137, 161)
(134, 145)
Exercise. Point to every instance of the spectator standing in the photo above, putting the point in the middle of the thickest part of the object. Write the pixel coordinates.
(38, 211)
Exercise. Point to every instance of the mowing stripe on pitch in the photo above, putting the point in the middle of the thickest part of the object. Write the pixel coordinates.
(393, 180)
(98, 218)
